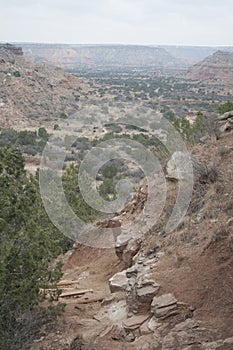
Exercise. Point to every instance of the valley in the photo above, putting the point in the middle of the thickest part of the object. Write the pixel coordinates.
(151, 126)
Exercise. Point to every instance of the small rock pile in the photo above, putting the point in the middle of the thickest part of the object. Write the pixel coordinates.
(146, 309)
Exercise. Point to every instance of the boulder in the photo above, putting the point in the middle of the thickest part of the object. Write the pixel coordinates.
(225, 122)
(177, 166)
(121, 244)
(126, 248)
(118, 282)
(130, 251)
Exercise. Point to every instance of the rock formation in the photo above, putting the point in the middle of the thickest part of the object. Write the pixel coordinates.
(89, 56)
(8, 53)
(215, 69)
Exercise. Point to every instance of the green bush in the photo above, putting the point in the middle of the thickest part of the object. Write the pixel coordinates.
(225, 107)
(30, 142)
(42, 133)
(28, 244)
(107, 189)
(17, 74)
(109, 171)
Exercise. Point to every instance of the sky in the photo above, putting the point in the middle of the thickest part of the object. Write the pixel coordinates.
(153, 22)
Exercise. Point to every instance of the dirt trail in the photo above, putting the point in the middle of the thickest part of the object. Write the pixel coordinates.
(194, 263)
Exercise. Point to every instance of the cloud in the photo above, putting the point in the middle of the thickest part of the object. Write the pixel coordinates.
(119, 21)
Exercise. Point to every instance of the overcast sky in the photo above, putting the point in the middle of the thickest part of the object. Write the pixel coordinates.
(186, 22)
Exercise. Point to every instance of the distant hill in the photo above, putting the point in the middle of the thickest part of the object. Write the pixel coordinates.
(215, 69)
(125, 56)
(103, 56)
(31, 92)
(194, 54)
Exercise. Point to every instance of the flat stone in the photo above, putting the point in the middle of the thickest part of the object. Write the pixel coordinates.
(164, 306)
(147, 291)
(163, 301)
(166, 311)
(135, 322)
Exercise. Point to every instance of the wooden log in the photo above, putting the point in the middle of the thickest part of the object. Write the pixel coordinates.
(67, 283)
(75, 293)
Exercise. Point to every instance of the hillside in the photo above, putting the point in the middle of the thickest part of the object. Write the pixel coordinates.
(105, 56)
(165, 291)
(215, 69)
(194, 54)
(30, 93)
